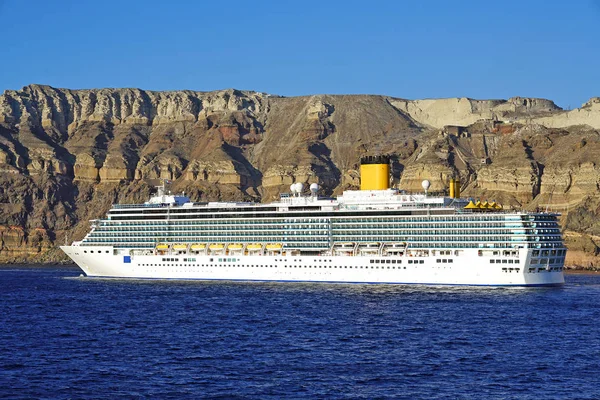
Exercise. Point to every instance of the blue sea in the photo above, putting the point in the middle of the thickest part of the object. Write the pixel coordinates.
(65, 336)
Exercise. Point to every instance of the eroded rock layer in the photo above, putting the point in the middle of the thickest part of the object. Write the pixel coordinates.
(67, 155)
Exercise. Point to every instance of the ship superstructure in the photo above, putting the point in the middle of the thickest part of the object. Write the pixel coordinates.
(373, 235)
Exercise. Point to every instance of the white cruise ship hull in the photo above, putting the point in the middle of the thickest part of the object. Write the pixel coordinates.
(467, 269)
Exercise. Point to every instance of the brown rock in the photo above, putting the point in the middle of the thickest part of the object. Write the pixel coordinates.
(67, 155)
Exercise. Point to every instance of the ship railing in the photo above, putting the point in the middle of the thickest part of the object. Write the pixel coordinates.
(121, 206)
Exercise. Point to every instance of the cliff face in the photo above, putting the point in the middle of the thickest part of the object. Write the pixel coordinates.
(463, 111)
(67, 155)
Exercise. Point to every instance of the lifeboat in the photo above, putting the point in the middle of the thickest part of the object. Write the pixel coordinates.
(368, 248)
(197, 247)
(235, 248)
(395, 248)
(396, 245)
(343, 249)
(216, 246)
(372, 245)
(274, 246)
(180, 247)
(162, 247)
(254, 247)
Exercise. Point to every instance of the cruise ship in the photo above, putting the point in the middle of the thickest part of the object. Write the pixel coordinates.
(373, 235)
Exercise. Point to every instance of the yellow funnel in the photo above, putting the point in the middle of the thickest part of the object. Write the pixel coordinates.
(454, 191)
(374, 173)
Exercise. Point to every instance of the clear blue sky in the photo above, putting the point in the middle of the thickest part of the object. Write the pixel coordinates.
(411, 49)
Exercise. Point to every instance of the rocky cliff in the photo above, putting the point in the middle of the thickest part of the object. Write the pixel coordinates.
(67, 155)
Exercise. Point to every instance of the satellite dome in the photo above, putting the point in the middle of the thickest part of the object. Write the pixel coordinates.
(299, 187)
(314, 187)
(426, 184)
(293, 188)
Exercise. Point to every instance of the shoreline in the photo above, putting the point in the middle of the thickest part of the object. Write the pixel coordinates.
(581, 271)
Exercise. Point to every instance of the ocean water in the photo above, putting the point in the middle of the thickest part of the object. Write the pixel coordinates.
(63, 336)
